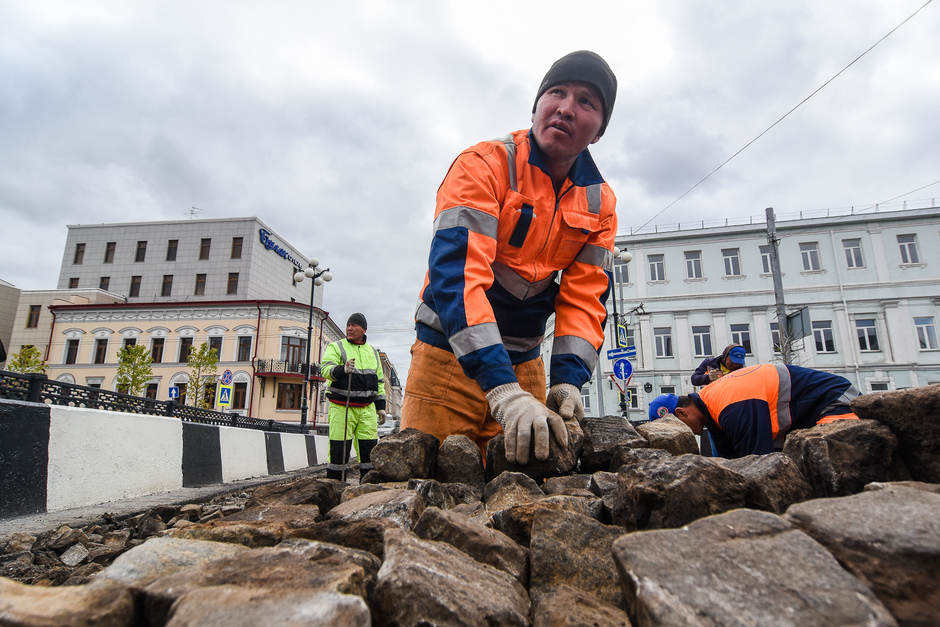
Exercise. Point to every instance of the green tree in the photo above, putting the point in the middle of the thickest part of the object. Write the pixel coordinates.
(134, 369)
(203, 363)
(27, 360)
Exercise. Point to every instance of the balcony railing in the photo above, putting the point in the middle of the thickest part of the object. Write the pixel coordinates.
(37, 388)
(276, 366)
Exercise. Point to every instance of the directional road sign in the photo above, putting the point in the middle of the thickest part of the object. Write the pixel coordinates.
(624, 351)
(622, 369)
(174, 392)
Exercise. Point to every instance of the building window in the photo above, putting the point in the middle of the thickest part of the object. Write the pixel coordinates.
(775, 337)
(586, 398)
(631, 341)
(73, 283)
(702, 341)
(667, 389)
(232, 283)
(200, 285)
(209, 393)
(663, 341)
(822, 333)
(71, 351)
(693, 264)
(621, 272)
(765, 262)
(109, 252)
(215, 343)
(657, 267)
(634, 398)
(130, 341)
(101, 351)
(182, 396)
(244, 348)
(236, 248)
(867, 335)
(288, 395)
(156, 350)
(104, 283)
(141, 251)
(167, 288)
(239, 395)
(293, 349)
(32, 319)
(810, 254)
(908, 244)
(152, 389)
(204, 248)
(926, 333)
(880, 387)
(741, 334)
(79, 254)
(171, 247)
(135, 286)
(853, 253)
(186, 345)
(732, 261)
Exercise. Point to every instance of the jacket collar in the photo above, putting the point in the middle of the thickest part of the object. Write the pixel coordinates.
(584, 172)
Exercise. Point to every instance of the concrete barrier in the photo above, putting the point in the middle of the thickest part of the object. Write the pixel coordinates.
(54, 458)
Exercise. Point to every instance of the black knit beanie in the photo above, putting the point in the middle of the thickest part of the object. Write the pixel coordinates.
(587, 67)
(358, 318)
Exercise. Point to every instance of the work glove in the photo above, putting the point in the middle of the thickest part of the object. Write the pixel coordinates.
(520, 413)
(382, 415)
(350, 366)
(714, 375)
(565, 399)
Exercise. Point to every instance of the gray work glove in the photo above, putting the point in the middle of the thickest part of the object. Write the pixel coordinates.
(565, 399)
(382, 415)
(520, 413)
(350, 366)
(714, 375)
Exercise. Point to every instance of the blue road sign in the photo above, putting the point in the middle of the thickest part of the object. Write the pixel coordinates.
(227, 377)
(621, 335)
(174, 392)
(224, 396)
(623, 351)
(622, 369)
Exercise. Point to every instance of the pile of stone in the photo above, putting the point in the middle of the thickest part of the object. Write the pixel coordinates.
(624, 527)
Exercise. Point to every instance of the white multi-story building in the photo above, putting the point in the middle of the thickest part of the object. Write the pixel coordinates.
(869, 280)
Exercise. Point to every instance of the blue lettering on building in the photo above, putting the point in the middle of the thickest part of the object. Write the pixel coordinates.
(270, 244)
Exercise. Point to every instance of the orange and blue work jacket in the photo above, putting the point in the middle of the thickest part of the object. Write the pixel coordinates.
(750, 411)
(501, 236)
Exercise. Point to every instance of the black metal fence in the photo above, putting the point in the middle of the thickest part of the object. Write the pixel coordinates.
(38, 388)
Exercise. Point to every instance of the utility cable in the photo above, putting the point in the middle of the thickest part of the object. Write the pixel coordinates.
(785, 116)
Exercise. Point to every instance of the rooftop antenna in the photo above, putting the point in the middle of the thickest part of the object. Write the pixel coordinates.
(194, 211)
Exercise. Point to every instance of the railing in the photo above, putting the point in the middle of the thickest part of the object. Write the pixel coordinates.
(275, 366)
(38, 388)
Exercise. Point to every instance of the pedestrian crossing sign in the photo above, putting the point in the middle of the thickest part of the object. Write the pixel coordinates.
(621, 335)
(224, 396)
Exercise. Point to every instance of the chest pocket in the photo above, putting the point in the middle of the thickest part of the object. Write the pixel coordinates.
(575, 229)
(517, 218)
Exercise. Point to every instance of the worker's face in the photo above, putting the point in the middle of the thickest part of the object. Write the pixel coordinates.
(354, 333)
(692, 417)
(732, 366)
(567, 119)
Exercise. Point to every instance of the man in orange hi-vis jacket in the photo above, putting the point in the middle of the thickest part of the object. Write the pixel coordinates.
(750, 411)
(524, 228)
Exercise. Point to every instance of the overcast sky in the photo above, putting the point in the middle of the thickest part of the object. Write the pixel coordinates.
(334, 122)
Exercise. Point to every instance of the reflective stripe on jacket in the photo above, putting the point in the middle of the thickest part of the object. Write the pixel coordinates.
(365, 385)
(750, 411)
(501, 236)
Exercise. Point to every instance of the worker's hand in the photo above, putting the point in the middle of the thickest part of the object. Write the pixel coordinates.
(350, 365)
(520, 414)
(565, 399)
(382, 415)
(714, 375)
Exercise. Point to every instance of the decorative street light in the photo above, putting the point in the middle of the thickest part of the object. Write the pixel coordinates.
(317, 278)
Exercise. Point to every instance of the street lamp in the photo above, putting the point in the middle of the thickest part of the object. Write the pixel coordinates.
(317, 278)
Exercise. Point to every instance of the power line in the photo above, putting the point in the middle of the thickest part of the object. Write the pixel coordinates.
(786, 115)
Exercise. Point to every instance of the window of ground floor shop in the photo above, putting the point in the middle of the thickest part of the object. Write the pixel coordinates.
(288, 395)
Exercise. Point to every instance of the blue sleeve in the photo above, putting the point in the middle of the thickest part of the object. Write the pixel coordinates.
(699, 377)
(747, 424)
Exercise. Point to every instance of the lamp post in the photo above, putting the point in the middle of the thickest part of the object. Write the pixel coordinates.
(317, 277)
